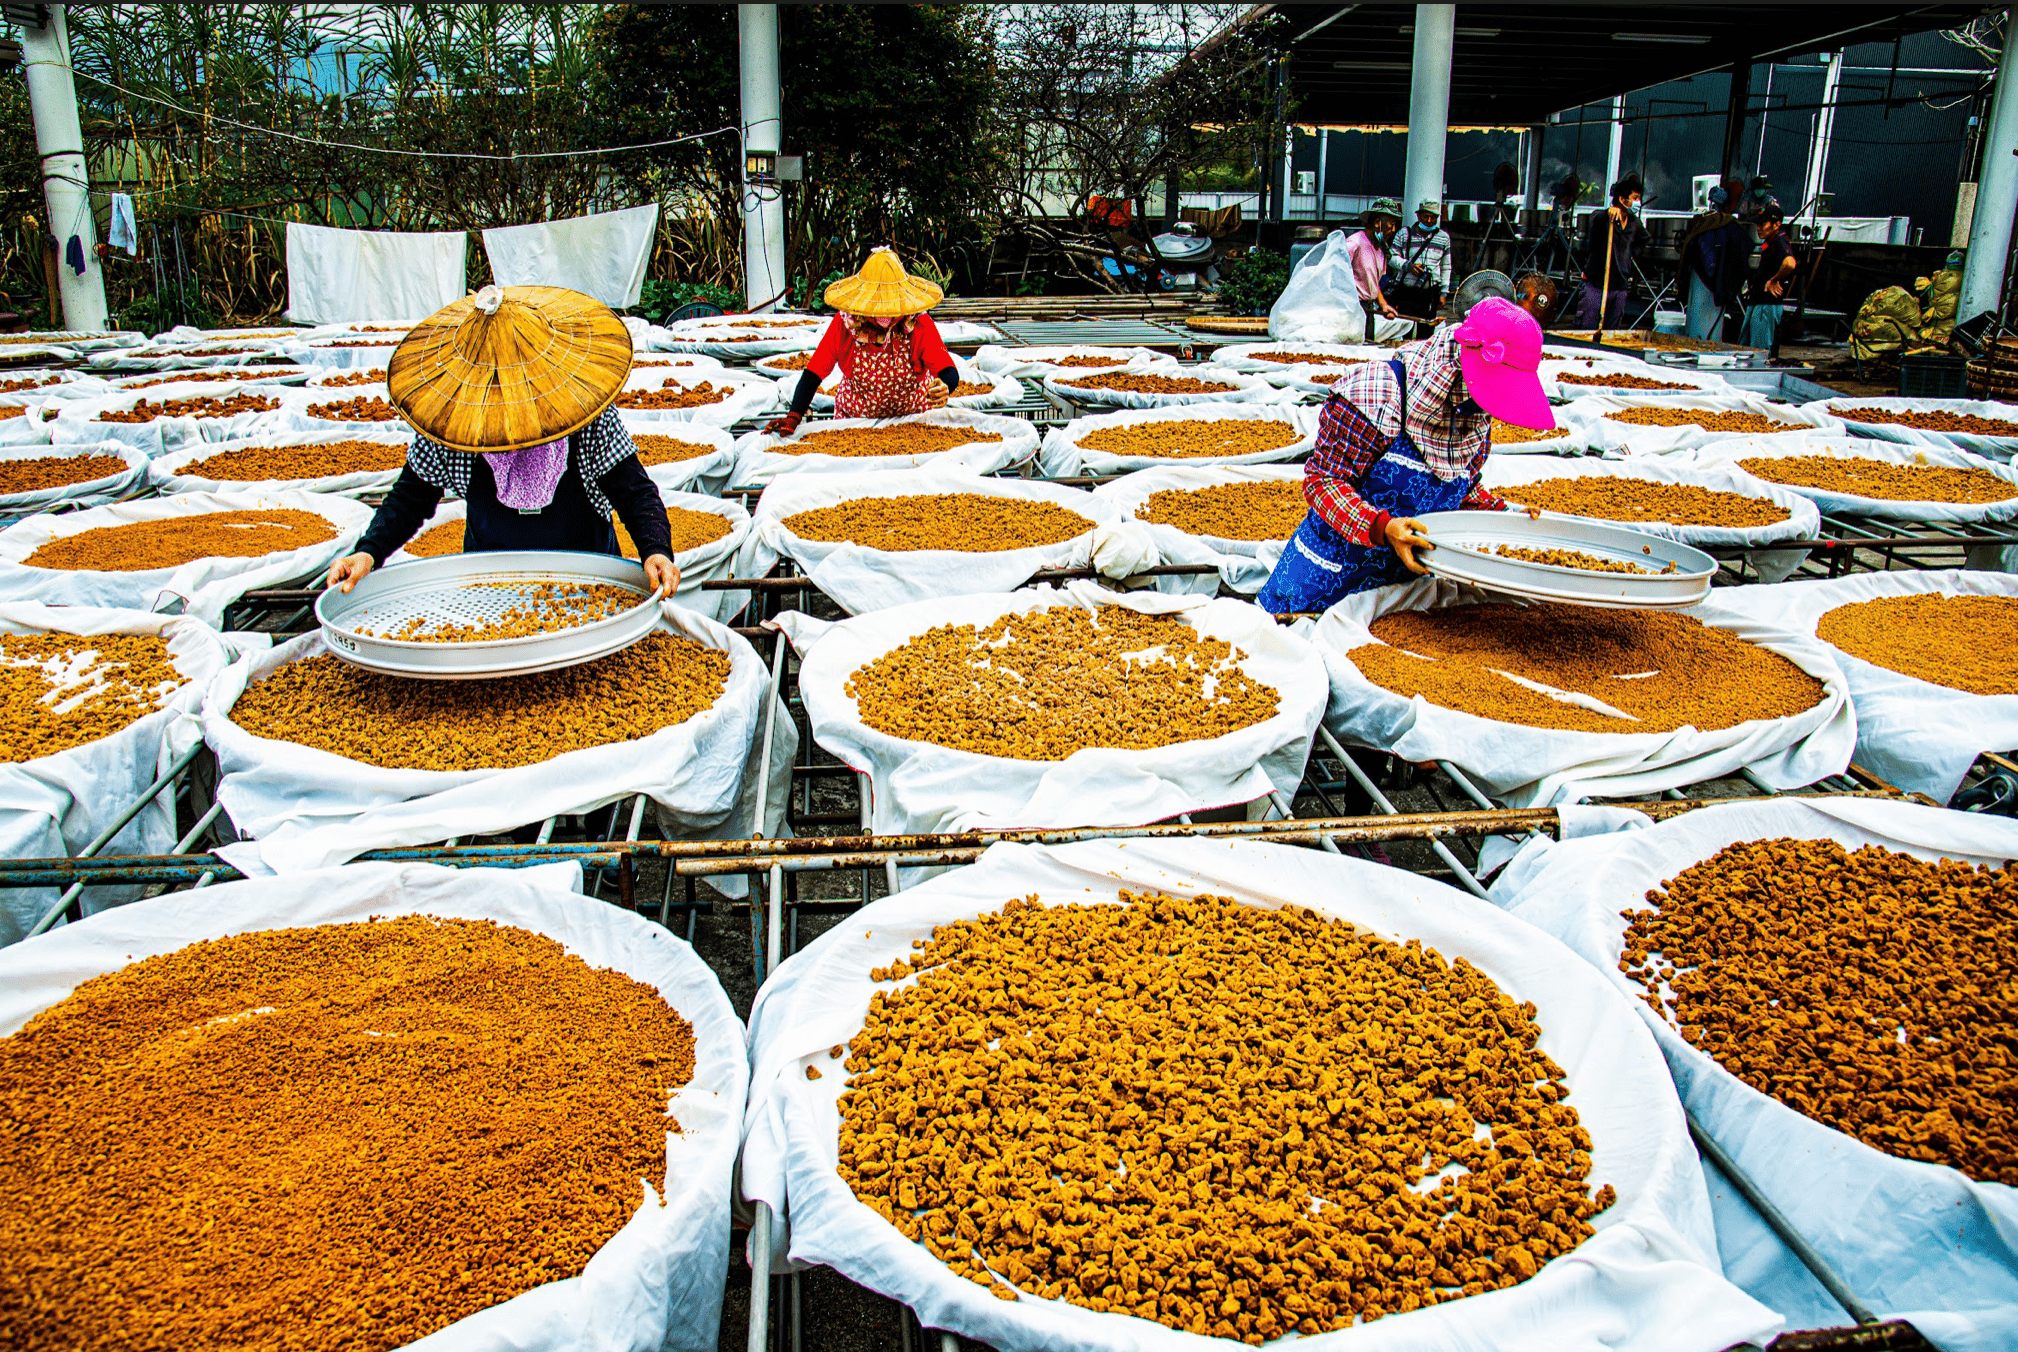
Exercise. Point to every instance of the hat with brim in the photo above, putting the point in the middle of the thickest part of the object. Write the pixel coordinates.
(1431, 205)
(509, 367)
(1500, 350)
(1385, 206)
(883, 290)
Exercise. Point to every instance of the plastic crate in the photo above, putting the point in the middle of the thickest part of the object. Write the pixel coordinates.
(1934, 377)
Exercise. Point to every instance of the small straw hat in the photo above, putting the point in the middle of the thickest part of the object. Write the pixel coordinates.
(510, 367)
(883, 290)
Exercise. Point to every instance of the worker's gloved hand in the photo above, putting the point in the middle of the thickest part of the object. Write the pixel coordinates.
(936, 392)
(1405, 536)
(349, 570)
(663, 574)
(786, 425)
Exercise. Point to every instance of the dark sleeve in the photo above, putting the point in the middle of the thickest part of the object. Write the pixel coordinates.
(809, 385)
(631, 491)
(412, 500)
(950, 377)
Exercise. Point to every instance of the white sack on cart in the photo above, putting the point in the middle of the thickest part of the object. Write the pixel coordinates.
(306, 808)
(1244, 565)
(88, 493)
(758, 461)
(1244, 389)
(1979, 443)
(1063, 455)
(168, 473)
(1037, 362)
(740, 553)
(1919, 1242)
(1591, 416)
(657, 1283)
(1321, 301)
(1244, 358)
(748, 396)
(707, 473)
(1912, 733)
(1832, 502)
(1647, 1279)
(53, 806)
(76, 421)
(1540, 767)
(202, 587)
(1773, 565)
(920, 786)
(860, 579)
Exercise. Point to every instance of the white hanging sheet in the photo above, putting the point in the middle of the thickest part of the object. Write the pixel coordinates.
(1244, 565)
(1733, 452)
(1245, 389)
(601, 255)
(758, 461)
(920, 786)
(1648, 1279)
(89, 493)
(860, 579)
(1590, 416)
(1064, 456)
(1915, 1241)
(372, 275)
(1540, 767)
(1979, 443)
(167, 473)
(657, 1283)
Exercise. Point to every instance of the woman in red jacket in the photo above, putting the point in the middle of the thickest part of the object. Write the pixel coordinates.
(887, 348)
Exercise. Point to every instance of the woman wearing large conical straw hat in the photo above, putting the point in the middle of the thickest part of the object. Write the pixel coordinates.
(510, 392)
(888, 349)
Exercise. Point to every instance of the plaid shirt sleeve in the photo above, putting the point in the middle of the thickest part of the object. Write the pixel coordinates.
(1347, 445)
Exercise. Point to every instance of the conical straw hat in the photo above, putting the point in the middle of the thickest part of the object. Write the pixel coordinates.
(883, 289)
(510, 367)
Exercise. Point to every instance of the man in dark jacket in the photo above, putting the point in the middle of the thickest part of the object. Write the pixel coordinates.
(1611, 239)
(1714, 250)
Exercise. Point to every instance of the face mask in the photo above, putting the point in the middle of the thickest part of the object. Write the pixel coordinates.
(1632, 208)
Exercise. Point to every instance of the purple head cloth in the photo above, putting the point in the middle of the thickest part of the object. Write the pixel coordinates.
(526, 479)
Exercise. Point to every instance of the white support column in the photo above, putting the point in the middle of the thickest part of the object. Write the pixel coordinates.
(1612, 157)
(764, 280)
(1825, 127)
(1531, 172)
(1996, 191)
(52, 98)
(1428, 105)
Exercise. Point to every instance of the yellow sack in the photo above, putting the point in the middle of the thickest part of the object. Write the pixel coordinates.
(1888, 319)
(1938, 300)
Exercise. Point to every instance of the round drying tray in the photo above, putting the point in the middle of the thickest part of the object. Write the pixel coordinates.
(469, 589)
(1464, 553)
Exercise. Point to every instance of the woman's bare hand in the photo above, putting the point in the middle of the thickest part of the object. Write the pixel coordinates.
(349, 570)
(1405, 536)
(663, 574)
(936, 393)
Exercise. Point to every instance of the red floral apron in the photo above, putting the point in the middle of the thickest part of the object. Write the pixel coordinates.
(884, 381)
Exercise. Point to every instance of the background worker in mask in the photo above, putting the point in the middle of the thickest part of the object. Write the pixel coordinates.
(1618, 229)
(1368, 252)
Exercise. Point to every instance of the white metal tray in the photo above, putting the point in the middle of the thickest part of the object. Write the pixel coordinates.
(1465, 540)
(468, 588)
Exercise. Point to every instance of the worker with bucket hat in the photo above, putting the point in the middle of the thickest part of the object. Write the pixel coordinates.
(1418, 263)
(889, 352)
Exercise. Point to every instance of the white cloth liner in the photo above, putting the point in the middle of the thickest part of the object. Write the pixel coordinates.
(1731, 452)
(35, 423)
(749, 396)
(860, 579)
(1915, 1241)
(325, 378)
(1037, 362)
(294, 416)
(712, 337)
(203, 587)
(53, 806)
(1773, 565)
(69, 385)
(740, 553)
(657, 1283)
(1246, 389)
(601, 255)
(308, 809)
(1648, 1279)
(1912, 733)
(708, 473)
(1554, 388)
(77, 421)
(1588, 415)
(758, 463)
(919, 786)
(1541, 767)
(181, 384)
(343, 351)
(165, 471)
(1064, 457)
(366, 275)
(978, 388)
(1244, 565)
(90, 493)
(1240, 356)
(1997, 448)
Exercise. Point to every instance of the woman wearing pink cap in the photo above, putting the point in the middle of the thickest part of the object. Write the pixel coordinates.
(1404, 437)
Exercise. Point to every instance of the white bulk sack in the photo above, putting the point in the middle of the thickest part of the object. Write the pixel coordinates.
(740, 553)
(748, 396)
(920, 786)
(90, 493)
(202, 587)
(860, 579)
(1242, 357)
(1540, 767)
(1035, 363)
(1997, 448)
(76, 420)
(1648, 1278)
(1832, 503)
(1912, 733)
(1244, 565)
(296, 418)
(698, 474)
(1773, 565)
(167, 472)
(657, 1283)
(1589, 416)
(307, 809)
(758, 461)
(1320, 302)
(1245, 389)
(1064, 457)
(1919, 1242)
(53, 806)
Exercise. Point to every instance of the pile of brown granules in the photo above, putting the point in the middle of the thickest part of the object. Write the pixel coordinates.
(214, 377)
(207, 352)
(437, 540)
(1190, 438)
(1872, 991)
(654, 449)
(1510, 434)
(1307, 358)
(1218, 1117)
(1864, 477)
(1713, 420)
(368, 376)
(691, 528)
(1142, 382)
(58, 691)
(339, 1138)
(1572, 558)
(378, 342)
(204, 406)
(674, 395)
(1619, 380)
(1962, 642)
(791, 361)
(1624, 499)
(658, 682)
(28, 383)
(1088, 363)
(536, 608)
(1263, 509)
(1666, 671)
(1932, 420)
(170, 542)
(972, 523)
(890, 439)
(355, 409)
(315, 460)
(56, 471)
(1042, 685)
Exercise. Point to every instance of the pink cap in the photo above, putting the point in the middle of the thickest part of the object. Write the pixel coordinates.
(1499, 350)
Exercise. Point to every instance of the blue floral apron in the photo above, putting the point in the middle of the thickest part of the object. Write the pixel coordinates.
(1319, 566)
